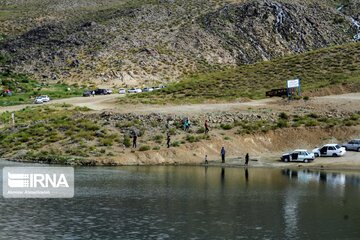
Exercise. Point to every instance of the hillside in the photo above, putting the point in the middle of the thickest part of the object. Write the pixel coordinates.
(133, 42)
(329, 67)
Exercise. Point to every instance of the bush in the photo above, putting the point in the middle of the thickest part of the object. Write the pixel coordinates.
(191, 138)
(200, 130)
(226, 126)
(311, 123)
(282, 124)
(283, 116)
(156, 148)
(306, 98)
(313, 115)
(106, 142)
(158, 139)
(126, 141)
(144, 148)
(175, 144)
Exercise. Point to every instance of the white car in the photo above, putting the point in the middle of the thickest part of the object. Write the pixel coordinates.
(38, 100)
(108, 91)
(330, 150)
(45, 98)
(148, 89)
(134, 90)
(122, 91)
(298, 155)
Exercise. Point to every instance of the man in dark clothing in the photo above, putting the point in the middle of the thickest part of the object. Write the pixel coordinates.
(134, 141)
(222, 155)
(206, 127)
(247, 159)
(168, 140)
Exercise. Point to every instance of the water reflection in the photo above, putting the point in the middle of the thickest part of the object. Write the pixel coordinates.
(191, 203)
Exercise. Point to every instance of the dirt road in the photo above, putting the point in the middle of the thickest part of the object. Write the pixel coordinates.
(345, 102)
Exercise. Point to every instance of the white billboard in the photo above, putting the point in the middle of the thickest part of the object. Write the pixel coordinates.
(293, 83)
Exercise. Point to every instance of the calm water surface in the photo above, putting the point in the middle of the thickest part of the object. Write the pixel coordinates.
(191, 203)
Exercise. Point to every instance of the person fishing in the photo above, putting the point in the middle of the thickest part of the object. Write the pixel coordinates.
(247, 159)
(206, 125)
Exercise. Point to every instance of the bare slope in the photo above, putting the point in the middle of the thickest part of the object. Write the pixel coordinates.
(130, 42)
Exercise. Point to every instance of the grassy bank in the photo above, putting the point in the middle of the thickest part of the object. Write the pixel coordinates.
(318, 69)
(24, 89)
(62, 133)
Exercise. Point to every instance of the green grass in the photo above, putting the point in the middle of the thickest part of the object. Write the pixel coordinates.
(24, 89)
(322, 68)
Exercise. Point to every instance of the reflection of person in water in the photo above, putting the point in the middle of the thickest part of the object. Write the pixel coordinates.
(246, 175)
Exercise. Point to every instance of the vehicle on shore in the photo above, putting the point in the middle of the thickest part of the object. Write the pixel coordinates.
(108, 91)
(134, 90)
(330, 150)
(41, 99)
(148, 89)
(352, 145)
(298, 155)
(87, 93)
(122, 91)
(45, 98)
(101, 91)
(38, 100)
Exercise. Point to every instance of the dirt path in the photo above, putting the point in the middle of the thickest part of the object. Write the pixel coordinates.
(346, 102)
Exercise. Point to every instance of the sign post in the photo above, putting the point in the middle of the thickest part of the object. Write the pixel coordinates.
(295, 83)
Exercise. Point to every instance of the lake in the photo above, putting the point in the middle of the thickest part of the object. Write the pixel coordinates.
(179, 202)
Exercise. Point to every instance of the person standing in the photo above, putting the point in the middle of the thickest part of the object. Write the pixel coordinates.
(134, 141)
(206, 160)
(168, 140)
(247, 159)
(206, 125)
(93, 93)
(222, 153)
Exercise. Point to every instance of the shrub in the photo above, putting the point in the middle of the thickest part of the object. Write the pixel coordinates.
(313, 115)
(283, 116)
(200, 130)
(126, 141)
(144, 148)
(156, 148)
(311, 123)
(106, 141)
(282, 124)
(306, 98)
(158, 138)
(175, 144)
(226, 126)
(191, 138)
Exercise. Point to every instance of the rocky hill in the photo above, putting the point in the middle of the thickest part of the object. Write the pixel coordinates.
(134, 42)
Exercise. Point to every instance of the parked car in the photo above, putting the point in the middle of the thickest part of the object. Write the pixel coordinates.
(148, 89)
(330, 150)
(352, 145)
(38, 100)
(134, 90)
(100, 91)
(122, 91)
(298, 155)
(109, 91)
(86, 93)
(156, 88)
(45, 98)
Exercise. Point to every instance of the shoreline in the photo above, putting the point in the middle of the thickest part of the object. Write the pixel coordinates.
(345, 163)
